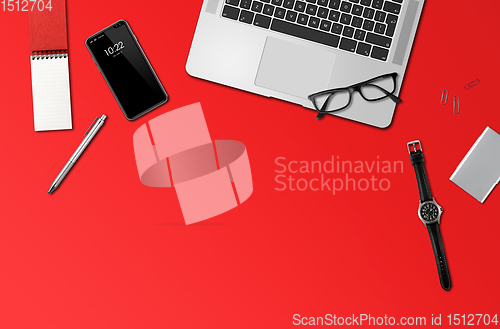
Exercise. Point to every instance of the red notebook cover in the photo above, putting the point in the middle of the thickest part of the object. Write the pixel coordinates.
(48, 28)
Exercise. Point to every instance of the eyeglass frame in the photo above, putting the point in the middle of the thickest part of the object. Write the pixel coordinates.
(351, 90)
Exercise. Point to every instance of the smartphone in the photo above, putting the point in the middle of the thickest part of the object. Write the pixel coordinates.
(126, 69)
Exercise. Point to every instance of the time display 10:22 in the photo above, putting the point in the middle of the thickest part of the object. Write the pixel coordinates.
(115, 49)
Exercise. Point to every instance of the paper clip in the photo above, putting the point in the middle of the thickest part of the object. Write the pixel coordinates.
(444, 97)
(456, 104)
(471, 84)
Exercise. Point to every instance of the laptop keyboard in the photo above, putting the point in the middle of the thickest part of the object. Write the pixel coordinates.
(364, 27)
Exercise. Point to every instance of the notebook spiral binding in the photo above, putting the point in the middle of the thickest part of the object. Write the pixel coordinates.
(49, 54)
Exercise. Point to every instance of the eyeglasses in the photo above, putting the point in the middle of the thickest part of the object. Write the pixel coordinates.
(372, 90)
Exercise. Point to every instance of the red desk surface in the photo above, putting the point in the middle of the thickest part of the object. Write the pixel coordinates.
(105, 251)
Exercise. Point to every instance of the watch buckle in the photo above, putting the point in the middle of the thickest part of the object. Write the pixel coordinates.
(414, 144)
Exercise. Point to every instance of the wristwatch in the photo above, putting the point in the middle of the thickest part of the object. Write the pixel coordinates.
(429, 212)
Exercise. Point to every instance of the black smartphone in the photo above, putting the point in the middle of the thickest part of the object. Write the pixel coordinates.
(126, 69)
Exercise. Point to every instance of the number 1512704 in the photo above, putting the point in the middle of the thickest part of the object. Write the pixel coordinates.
(26, 5)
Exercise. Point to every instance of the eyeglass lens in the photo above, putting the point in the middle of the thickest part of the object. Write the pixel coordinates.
(375, 89)
(336, 100)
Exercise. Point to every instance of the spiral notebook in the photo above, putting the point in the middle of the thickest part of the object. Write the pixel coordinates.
(49, 67)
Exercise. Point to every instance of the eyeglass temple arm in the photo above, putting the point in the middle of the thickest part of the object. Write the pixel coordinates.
(323, 108)
(322, 111)
(395, 98)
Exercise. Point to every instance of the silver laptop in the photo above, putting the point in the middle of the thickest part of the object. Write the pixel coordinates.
(289, 49)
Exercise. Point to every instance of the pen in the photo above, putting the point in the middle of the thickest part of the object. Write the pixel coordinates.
(89, 135)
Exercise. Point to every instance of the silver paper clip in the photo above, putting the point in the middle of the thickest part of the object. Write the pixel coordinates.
(444, 97)
(456, 104)
(471, 84)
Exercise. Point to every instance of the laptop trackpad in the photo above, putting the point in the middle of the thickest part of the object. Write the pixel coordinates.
(294, 69)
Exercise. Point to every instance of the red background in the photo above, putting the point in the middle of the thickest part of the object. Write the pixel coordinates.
(104, 251)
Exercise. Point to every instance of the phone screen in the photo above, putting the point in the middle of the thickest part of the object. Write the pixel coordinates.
(126, 70)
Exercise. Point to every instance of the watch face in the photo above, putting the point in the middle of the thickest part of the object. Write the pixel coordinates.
(429, 212)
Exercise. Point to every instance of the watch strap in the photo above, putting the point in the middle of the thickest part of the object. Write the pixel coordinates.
(438, 248)
(417, 160)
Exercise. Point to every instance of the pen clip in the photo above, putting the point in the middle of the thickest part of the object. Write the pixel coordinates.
(91, 125)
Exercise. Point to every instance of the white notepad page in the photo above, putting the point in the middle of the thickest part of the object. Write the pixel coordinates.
(51, 97)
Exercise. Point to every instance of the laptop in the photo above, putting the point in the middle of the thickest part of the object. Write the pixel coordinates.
(289, 49)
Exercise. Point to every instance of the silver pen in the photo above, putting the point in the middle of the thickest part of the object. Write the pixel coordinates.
(89, 135)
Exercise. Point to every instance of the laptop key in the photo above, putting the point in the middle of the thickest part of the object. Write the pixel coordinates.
(348, 44)
(325, 25)
(288, 4)
(311, 1)
(262, 21)
(323, 3)
(334, 4)
(279, 13)
(257, 6)
(233, 2)
(246, 4)
(305, 33)
(291, 16)
(357, 10)
(277, 2)
(392, 7)
(334, 15)
(379, 28)
(368, 13)
(359, 35)
(400, 1)
(322, 12)
(380, 53)
(379, 16)
(337, 28)
(378, 40)
(366, 2)
(357, 21)
(313, 22)
(266, 1)
(311, 9)
(230, 12)
(346, 7)
(300, 6)
(355, 1)
(303, 19)
(363, 49)
(268, 10)
(377, 4)
(368, 25)
(348, 31)
(345, 19)
(246, 16)
(391, 24)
